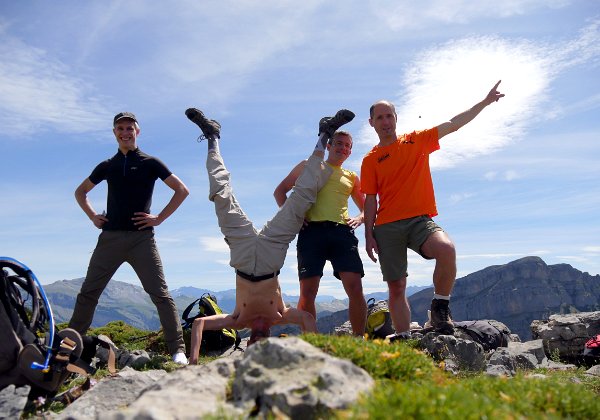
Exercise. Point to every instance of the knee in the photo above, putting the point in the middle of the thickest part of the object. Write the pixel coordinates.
(442, 249)
(355, 290)
(397, 288)
(309, 289)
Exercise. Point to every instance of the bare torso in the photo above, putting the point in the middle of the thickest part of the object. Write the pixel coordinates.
(257, 300)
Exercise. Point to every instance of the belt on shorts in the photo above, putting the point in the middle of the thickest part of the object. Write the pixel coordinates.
(327, 223)
(254, 278)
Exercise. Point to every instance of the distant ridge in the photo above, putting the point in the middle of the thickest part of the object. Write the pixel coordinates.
(130, 303)
(517, 293)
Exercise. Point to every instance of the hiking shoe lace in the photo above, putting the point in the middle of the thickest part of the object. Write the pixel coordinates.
(441, 318)
(329, 125)
(210, 128)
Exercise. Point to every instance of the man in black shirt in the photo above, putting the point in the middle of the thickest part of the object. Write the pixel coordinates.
(127, 230)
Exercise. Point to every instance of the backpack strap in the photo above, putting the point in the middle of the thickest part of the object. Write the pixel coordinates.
(186, 314)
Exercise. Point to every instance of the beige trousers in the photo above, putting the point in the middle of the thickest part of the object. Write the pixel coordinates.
(260, 252)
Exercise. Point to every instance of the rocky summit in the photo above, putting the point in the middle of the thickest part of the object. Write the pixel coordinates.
(517, 293)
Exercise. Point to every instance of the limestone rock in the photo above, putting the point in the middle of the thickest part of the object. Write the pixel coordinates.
(296, 379)
(593, 371)
(566, 334)
(188, 393)
(110, 394)
(466, 354)
(12, 401)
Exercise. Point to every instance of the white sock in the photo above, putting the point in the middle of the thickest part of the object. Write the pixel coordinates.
(441, 297)
(321, 145)
(213, 144)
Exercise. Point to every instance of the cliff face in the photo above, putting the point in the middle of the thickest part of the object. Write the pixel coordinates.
(517, 293)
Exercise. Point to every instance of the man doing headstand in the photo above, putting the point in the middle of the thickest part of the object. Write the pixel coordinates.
(258, 255)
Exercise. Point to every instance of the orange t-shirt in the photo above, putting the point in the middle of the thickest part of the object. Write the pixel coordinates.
(399, 174)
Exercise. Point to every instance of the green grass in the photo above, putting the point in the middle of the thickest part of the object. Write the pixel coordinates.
(410, 385)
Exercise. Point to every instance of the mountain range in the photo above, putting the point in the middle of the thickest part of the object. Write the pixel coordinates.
(515, 293)
(131, 304)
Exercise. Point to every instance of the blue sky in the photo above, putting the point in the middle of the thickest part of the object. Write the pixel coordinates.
(522, 179)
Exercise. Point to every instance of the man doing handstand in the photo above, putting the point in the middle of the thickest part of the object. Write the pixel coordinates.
(258, 255)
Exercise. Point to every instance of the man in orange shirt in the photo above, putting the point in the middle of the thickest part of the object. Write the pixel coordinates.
(399, 205)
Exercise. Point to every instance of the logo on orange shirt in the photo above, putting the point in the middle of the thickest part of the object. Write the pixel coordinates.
(382, 158)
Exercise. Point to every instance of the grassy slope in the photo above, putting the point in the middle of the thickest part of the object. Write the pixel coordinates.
(410, 385)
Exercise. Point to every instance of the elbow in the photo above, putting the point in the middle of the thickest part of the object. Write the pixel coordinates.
(198, 324)
(79, 195)
(279, 195)
(183, 191)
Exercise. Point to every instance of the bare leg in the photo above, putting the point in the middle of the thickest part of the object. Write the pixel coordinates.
(309, 288)
(440, 247)
(357, 307)
(399, 308)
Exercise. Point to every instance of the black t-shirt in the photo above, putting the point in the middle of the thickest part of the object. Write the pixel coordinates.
(130, 180)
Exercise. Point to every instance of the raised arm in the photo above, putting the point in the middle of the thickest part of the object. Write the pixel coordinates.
(288, 183)
(212, 322)
(467, 116)
(81, 197)
(180, 192)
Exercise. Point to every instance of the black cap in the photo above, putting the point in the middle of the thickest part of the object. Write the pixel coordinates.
(122, 115)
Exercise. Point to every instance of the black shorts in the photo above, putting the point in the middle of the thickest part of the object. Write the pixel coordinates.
(322, 241)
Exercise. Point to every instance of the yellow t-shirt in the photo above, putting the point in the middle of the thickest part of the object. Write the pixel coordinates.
(332, 199)
(400, 175)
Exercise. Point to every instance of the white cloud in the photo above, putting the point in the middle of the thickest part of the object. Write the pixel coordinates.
(214, 244)
(39, 92)
(225, 43)
(591, 249)
(456, 198)
(406, 14)
(508, 175)
(511, 175)
(495, 255)
(448, 79)
(491, 175)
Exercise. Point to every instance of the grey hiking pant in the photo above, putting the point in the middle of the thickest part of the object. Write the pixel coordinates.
(138, 248)
(261, 252)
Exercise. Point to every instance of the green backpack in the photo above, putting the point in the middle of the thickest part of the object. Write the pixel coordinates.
(379, 321)
(211, 340)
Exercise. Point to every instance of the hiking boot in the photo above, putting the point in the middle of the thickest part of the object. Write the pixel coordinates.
(210, 128)
(441, 318)
(398, 336)
(329, 125)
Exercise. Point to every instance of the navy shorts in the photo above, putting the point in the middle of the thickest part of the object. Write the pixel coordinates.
(322, 241)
